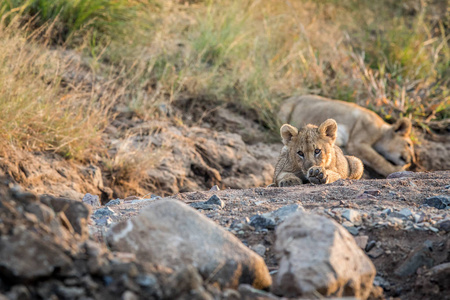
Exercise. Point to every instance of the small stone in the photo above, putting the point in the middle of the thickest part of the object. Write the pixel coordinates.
(104, 212)
(370, 245)
(401, 174)
(351, 215)
(439, 202)
(387, 211)
(395, 221)
(405, 212)
(212, 203)
(418, 257)
(347, 224)
(380, 281)
(259, 249)
(271, 219)
(361, 240)
(215, 200)
(92, 200)
(418, 218)
(444, 225)
(103, 221)
(146, 280)
(214, 188)
(260, 221)
(113, 202)
(352, 230)
(249, 292)
(129, 295)
(372, 192)
(375, 252)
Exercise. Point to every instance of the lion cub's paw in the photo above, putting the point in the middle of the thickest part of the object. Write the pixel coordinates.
(317, 175)
(290, 182)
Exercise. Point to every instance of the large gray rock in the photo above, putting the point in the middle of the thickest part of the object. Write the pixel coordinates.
(317, 254)
(171, 233)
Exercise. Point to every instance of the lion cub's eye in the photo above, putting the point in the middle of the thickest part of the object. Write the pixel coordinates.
(317, 151)
(300, 153)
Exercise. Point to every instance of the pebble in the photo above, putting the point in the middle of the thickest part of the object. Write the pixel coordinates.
(375, 252)
(271, 219)
(259, 249)
(361, 241)
(215, 188)
(370, 245)
(92, 200)
(104, 221)
(113, 202)
(387, 211)
(351, 215)
(213, 203)
(103, 212)
(439, 202)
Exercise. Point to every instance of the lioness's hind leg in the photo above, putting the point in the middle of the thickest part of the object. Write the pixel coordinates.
(355, 166)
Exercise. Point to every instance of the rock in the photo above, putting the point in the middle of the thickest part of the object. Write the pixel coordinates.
(259, 249)
(370, 245)
(351, 215)
(271, 219)
(76, 212)
(214, 199)
(113, 202)
(439, 202)
(104, 212)
(418, 257)
(375, 252)
(316, 254)
(440, 274)
(380, 281)
(170, 233)
(387, 211)
(91, 200)
(402, 174)
(26, 256)
(361, 241)
(372, 192)
(444, 225)
(103, 221)
(404, 213)
(215, 188)
(250, 293)
(211, 204)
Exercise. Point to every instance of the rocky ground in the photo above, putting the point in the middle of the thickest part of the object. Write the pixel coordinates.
(402, 223)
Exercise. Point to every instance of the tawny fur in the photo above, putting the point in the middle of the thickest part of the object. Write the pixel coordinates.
(310, 155)
(382, 147)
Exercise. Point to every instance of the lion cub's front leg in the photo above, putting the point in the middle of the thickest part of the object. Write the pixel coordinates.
(319, 175)
(288, 179)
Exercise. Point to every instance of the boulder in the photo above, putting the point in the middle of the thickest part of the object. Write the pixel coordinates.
(316, 254)
(172, 234)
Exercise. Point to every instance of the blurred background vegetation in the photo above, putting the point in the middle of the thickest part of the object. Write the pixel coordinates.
(68, 68)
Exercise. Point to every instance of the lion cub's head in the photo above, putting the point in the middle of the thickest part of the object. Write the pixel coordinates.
(395, 144)
(311, 145)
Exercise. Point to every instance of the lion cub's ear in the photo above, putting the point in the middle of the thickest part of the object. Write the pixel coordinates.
(402, 127)
(328, 128)
(287, 132)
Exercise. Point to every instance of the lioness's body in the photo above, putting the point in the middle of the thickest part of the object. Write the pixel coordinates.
(310, 155)
(383, 147)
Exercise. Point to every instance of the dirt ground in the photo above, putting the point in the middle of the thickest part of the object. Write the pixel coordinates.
(389, 237)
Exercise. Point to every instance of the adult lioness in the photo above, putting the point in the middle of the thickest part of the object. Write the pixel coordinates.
(310, 155)
(384, 148)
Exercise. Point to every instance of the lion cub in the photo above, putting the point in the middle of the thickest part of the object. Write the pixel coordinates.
(310, 155)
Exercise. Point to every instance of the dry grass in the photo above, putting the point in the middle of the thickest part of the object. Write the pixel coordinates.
(389, 56)
(393, 59)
